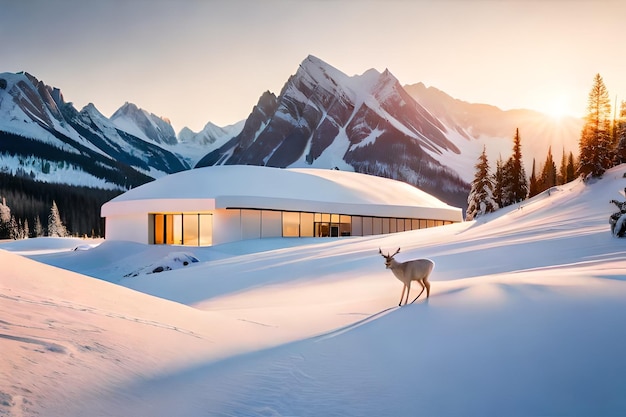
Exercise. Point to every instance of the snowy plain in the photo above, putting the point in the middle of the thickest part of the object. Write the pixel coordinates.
(525, 318)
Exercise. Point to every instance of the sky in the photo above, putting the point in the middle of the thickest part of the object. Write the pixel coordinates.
(195, 61)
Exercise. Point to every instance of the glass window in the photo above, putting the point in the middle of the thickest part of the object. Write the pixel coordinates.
(322, 229)
(345, 225)
(250, 224)
(400, 225)
(431, 223)
(291, 224)
(393, 225)
(357, 226)
(415, 224)
(367, 226)
(306, 224)
(423, 224)
(377, 226)
(385, 225)
(159, 229)
(190, 229)
(205, 230)
(271, 223)
(177, 229)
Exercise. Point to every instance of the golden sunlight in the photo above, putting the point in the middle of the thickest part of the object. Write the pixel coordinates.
(558, 107)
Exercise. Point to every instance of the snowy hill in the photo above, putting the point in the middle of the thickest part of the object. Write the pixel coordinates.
(524, 316)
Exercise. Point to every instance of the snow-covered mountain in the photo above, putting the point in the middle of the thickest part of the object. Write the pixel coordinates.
(211, 134)
(192, 145)
(54, 142)
(144, 125)
(368, 123)
(322, 118)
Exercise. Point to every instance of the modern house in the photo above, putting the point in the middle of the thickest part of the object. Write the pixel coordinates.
(220, 204)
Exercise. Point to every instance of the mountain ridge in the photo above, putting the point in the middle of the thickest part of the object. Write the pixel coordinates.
(321, 118)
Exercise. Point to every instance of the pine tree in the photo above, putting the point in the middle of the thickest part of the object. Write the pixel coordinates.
(571, 168)
(595, 139)
(5, 219)
(14, 230)
(498, 181)
(515, 188)
(39, 232)
(480, 200)
(620, 133)
(562, 175)
(56, 228)
(25, 230)
(533, 186)
(548, 173)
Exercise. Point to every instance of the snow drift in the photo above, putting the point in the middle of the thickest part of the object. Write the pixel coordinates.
(524, 318)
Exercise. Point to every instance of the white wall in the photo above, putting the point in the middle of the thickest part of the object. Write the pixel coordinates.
(131, 227)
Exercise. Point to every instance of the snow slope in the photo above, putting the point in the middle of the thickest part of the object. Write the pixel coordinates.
(525, 318)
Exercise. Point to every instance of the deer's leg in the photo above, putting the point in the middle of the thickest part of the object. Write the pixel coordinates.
(418, 296)
(427, 288)
(402, 295)
(408, 291)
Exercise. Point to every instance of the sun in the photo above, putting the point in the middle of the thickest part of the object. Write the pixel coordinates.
(558, 108)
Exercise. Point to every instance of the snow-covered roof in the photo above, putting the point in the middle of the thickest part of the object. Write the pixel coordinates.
(292, 189)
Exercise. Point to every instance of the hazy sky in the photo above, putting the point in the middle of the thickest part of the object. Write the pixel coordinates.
(195, 61)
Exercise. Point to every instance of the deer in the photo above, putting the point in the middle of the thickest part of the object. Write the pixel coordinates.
(415, 270)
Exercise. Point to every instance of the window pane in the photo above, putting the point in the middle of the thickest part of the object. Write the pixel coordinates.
(345, 225)
(291, 224)
(378, 226)
(169, 229)
(367, 226)
(423, 224)
(159, 229)
(206, 230)
(306, 224)
(393, 225)
(190, 229)
(415, 224)
(385, 225)
(177, 236)
(250, 224)
(271, 223)
(322, 229)
(357, 226)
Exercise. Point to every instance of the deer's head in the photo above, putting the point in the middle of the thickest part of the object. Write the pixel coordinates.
(388, 258)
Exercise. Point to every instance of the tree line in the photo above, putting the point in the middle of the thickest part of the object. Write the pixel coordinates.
(602, 145)
(30, 203)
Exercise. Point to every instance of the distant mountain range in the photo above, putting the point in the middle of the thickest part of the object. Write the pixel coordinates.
(321, 118)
